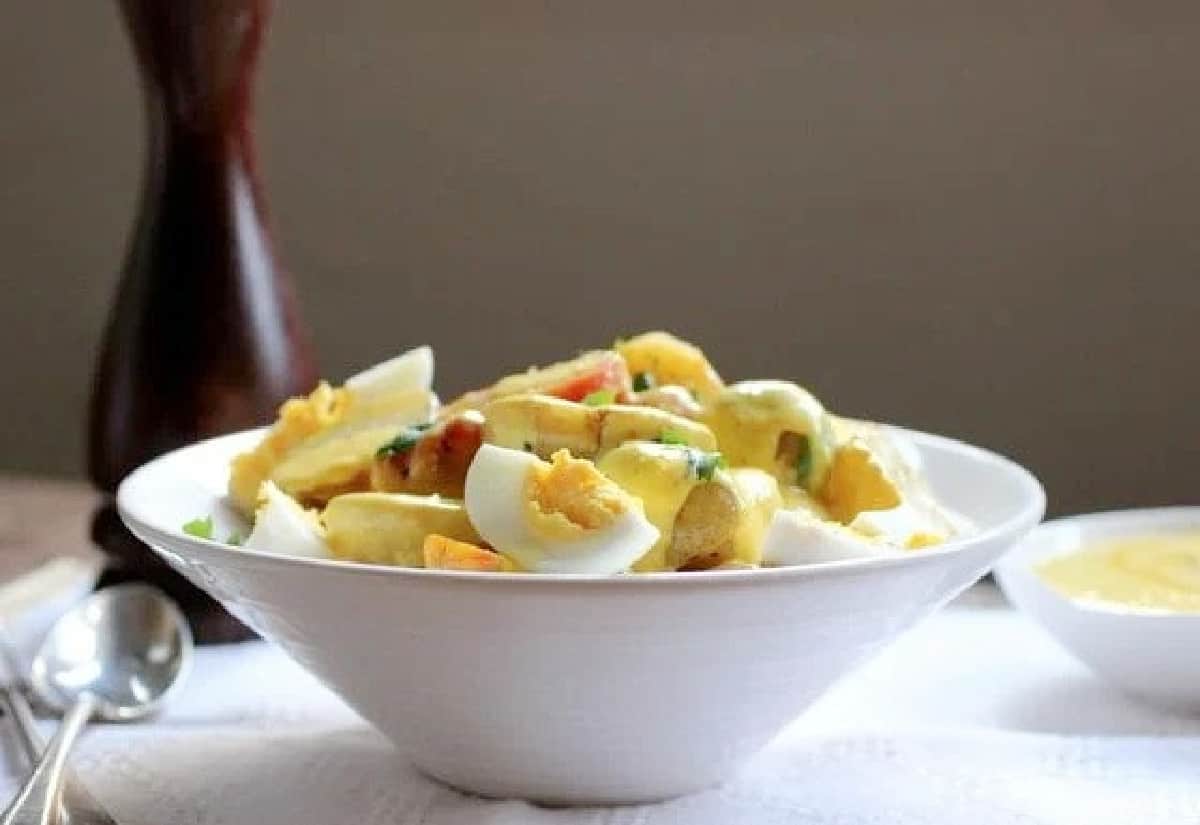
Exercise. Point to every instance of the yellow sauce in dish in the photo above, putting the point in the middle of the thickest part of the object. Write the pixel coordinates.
(1158, 573)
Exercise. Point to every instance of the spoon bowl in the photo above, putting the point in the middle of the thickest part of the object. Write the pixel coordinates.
(128, 646)
(116, 656)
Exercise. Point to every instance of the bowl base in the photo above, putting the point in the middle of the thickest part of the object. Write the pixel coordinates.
(581, 798)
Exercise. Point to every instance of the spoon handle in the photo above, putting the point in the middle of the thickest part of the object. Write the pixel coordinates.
(12, 699)
(20, 714)
(77, 806)
(38, 800)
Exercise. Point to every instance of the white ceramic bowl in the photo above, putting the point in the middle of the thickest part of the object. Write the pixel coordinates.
(579, 689)
(1151, 656)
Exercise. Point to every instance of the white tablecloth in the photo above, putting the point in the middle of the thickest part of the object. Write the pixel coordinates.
(975, 717)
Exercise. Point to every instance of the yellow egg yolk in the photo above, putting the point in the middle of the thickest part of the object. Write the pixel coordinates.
(442, 553)
(856, 483)
(568, 497)
(299, 418)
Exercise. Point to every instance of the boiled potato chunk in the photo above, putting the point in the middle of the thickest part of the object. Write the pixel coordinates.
(759, 497)
(338, 459)
(543, 425)
(775, 426)
(704, 518)
(620, 423)
(433, 461)
(724, 521)
(671, 360)
(390, 528)
(671, 398)
(703, 536)
(662, 476)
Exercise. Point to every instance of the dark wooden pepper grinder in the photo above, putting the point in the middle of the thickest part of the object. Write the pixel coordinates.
(204, 337)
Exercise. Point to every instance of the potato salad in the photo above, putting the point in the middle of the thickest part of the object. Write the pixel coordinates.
(638, 458)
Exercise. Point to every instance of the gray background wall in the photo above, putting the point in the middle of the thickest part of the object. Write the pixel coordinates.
(978, 218)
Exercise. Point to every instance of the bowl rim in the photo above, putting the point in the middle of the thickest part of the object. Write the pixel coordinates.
(1113, 518)
(1030, 513)
(1015, 572)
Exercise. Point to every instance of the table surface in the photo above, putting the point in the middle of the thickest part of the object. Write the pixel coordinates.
(40, 518)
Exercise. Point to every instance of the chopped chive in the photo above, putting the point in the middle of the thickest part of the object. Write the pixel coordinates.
(235, 539)
(404, 441)
(599, 398)
(705, 465)
(201, 528)
(804, 460)
(672, 438)
(643, 381)
(528, 446)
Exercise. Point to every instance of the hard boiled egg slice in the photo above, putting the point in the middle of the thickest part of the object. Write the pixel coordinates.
(903, 526)
(798, 537)
(560, 516)
(284, 528)
(412, 370)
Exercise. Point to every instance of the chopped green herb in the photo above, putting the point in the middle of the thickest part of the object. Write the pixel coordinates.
(599, 398)
(672, 438)
(401, 443)
(804, 460)
(528, 446)
(235, 539)
(643, 381)
(404, 441)
(705, 465)
(201, 528)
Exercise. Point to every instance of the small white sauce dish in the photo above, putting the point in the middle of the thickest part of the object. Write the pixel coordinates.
(1151, 656)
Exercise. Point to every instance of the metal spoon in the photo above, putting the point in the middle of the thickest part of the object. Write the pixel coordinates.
(117, 656)
(76, 804)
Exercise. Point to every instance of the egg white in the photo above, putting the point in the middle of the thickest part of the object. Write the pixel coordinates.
(282, 527)
(496, 505)
(797, 537)
(897, 525)
(906, 449)
(412, 370)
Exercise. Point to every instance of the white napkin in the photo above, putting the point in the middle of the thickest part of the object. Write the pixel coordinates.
(973, 718)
